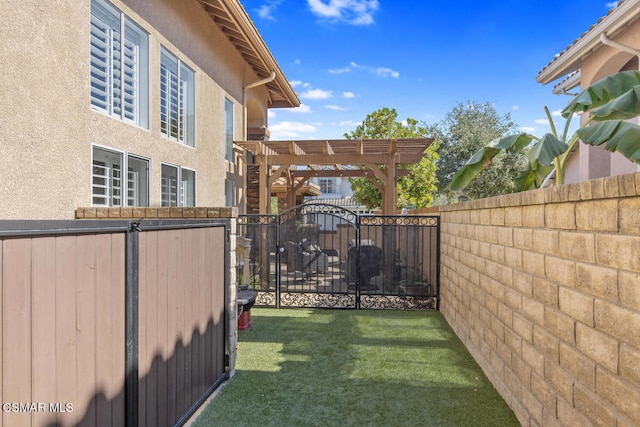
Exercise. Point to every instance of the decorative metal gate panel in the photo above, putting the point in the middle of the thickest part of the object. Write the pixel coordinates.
(320, 255)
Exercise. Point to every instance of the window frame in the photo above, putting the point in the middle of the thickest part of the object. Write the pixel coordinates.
(180, 195)
(124, 188)
(184, 104)
(107, 57)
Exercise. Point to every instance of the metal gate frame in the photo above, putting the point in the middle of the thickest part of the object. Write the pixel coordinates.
(325, 256)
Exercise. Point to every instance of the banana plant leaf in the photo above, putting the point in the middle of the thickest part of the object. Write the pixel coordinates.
(548, 148)
(616, 135)
(532, 178)
(602, 92)
(482, 158)
(624, 107)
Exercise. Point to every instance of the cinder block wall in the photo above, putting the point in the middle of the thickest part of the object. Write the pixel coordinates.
(544, 289)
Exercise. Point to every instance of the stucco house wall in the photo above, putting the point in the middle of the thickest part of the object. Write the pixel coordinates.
(48, 126)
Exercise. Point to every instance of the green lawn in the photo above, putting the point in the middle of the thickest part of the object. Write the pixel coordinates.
(354, 368)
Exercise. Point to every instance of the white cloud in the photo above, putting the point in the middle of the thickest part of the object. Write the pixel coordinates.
(387, 72)
(295, 83)
(290, 130)
(557, 113)
(348, 95)
(381, 71)
(335, 108)
(612, 4)
(317, 94)
(339, 70)
(527, 129)
(541, 121)
(356, 12)
(266, 10)
(515, 107)
(271, 114)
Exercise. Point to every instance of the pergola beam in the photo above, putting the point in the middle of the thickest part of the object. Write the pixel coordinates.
(345, 173)
(388, 153)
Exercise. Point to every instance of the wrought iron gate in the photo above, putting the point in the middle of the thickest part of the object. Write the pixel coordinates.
(321, 255)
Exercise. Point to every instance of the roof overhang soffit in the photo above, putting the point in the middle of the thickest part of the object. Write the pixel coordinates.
(235, 23)
(570, 59)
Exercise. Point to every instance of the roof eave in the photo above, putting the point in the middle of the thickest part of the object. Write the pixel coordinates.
(570, 60)
(254, 51)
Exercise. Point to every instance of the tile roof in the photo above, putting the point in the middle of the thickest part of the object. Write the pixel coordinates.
(627, 4)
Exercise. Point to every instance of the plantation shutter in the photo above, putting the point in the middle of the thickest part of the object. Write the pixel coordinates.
(169, 95)
(115, 64)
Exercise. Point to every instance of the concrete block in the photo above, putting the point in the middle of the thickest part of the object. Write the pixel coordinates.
(546, 342)
(611, 187)
(546, 241)
(619, 322)
(624, 397)
(581, 367)
(560, 325)
(628, 217)
(560, 271)
(597, 215)
(560, 215)
(627, 184)
(598, 346)
(593, 407)
(577, 246)
(560, 380)
(619, 252)
(577, 305)
(596, 280)
(629, 289)
(630, 364)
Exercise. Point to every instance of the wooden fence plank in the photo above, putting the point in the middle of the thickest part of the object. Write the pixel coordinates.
(86, 328)
(117, 307)
(162, 330)
(16, 328)
(104, 329)
(1, 322)
(66, 347)
(43, 303)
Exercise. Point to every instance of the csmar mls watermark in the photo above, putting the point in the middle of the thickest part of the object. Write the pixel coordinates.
(22, 407)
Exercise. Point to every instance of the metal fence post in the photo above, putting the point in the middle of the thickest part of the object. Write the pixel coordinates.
(131, 325)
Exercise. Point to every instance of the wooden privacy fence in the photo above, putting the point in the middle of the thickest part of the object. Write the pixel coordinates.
(111, 322)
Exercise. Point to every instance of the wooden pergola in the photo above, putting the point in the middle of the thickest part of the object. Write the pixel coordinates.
(370, 158)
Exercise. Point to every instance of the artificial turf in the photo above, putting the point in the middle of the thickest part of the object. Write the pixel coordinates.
(354, 368)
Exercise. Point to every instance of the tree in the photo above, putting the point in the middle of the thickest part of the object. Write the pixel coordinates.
(464, 130)
(414, 190)
(610, 102)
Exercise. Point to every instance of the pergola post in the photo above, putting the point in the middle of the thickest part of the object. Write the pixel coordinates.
(265, 189)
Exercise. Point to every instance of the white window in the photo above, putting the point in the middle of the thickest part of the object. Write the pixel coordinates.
(327, 185)
(178, 186)
(177, 99)
(110, 188)
(228, 130)
(119, 65)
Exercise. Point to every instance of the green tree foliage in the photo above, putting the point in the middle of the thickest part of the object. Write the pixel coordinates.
(417, 188)
(465, 129)
(609, 103)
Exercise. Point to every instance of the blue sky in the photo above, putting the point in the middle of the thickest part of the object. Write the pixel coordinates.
(348, 58)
